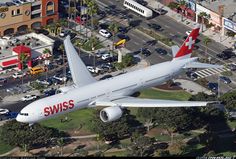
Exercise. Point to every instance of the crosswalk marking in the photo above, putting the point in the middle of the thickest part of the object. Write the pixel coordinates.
(210, 71)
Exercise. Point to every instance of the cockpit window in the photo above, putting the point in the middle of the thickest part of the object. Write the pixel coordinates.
(24, 114)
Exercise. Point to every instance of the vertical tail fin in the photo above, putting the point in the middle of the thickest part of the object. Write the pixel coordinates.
(187, 47)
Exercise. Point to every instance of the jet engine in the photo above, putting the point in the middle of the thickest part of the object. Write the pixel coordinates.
(65, 89)
(110, 114)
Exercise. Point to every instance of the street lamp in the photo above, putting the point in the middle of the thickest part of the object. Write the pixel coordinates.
(47, 62)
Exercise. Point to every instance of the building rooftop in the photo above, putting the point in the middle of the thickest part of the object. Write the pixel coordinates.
(229, 6)
(15, 2)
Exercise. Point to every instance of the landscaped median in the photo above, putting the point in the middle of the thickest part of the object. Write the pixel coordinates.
(166, 41)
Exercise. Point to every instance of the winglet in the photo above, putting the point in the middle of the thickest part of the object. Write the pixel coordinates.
(187, 47)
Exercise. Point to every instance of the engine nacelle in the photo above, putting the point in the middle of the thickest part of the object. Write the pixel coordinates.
(110, 114)
(64, 89)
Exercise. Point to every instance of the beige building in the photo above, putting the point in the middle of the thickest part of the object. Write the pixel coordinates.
(20, 15)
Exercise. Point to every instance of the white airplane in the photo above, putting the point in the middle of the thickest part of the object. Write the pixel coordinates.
(113, 92)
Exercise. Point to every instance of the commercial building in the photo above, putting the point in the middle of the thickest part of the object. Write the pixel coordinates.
(21, 15)
(33, 45)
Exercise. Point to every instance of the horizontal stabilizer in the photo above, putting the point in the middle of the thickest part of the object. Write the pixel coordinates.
(201, 65)
(141, 102)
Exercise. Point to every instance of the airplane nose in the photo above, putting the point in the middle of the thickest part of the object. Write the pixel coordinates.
(19, 118)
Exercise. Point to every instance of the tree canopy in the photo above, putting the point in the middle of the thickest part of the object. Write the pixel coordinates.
(19, 134)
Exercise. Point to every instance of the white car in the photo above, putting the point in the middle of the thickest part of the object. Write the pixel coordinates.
(106, 56)
(3, 111)
(60, 78)
(94, 70)
(29, 97)
(104, 33)
(18, 75)
(188, 32)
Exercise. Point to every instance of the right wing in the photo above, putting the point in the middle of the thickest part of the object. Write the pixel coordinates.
(142, 102)
(201, 65)
(79, 72)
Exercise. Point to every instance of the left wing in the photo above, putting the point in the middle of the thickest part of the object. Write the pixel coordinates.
(142, 102)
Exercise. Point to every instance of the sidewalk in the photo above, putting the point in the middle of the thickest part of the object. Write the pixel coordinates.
(192, 87)
(224, 40)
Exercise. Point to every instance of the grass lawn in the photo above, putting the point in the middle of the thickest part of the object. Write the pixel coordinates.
(232, 124)
(4, 147)
(75, 120)
(162, 94)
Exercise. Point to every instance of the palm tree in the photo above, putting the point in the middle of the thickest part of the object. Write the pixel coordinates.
(62, 48)
(206, 41)
(114, 29)
(203, 16)
(182, 3)
(92, 9)
(61, 143)
(23, 58)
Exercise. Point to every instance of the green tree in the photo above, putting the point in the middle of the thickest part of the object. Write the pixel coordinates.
(111, 130)
(201, 96)
(142, 146)
(229, 100)
(180, 5)
(203, 16)
(92, 10)
(19, 134)
(147, 115)
(61, 143)
(231, 34)
(113, 27)
(23, 59)
(206, 41)
(173, 5)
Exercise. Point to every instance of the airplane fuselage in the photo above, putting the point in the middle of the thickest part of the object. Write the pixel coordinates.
(82, 97)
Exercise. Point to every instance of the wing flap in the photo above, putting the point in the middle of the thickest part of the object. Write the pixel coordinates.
(79, 72)
(201, 65)
(142, 102)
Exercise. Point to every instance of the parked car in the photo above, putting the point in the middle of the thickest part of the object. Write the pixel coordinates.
(192, 75)
(223, 56)
(145, 51)
(106, 56)
(123, 36)
(161, 51)
(104, 33)
(105, 77)
(122, 29)
(11, 115)
(154, 26)
(18, 75)
(151, 42)
(213, 87)
(60, 77)
(3, 80)
(50, 92)
(99, 54)
(94, 70)
(224, 79)
(3, 111)
(29, 97)
(41, 31)
(44, 82)
(64, 33)
(161, 11)
(232, 67)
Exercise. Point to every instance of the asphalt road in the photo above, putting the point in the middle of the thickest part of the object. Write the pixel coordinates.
(172, 28)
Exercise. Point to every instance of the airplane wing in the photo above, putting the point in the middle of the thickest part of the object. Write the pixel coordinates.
(201, 65)
(79, 72)
(142, 102)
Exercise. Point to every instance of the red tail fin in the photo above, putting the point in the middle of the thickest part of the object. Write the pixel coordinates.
(187, 46)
